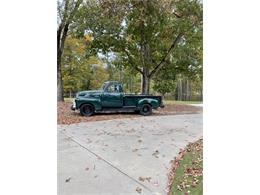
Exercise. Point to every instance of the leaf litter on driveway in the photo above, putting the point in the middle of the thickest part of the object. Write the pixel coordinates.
(135, 142)
(67, 116)
(68, 179)
(143, 179)
(139, 190)
(156, 153)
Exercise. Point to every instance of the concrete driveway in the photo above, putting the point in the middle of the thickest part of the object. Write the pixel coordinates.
(122, 156)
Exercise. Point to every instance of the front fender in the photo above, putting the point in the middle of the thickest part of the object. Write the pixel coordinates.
(95, 102)
(154, 103)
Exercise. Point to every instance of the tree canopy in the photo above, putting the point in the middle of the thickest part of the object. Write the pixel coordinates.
(151, 41)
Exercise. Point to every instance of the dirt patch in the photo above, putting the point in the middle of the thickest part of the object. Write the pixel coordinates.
(67, 116)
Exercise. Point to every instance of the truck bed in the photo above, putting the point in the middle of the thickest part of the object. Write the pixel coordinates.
(131, 99)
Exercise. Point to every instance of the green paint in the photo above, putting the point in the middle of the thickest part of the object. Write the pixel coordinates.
(112, 96)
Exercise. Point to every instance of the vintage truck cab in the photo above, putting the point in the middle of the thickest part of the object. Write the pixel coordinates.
(112, 98)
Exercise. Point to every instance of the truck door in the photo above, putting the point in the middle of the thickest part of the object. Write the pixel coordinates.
(113, 96)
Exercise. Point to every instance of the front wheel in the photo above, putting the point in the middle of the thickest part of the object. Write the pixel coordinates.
(86, 110)
(146, 110)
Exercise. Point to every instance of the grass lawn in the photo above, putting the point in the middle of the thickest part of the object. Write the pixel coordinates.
(188, 177)
(171, 102)
(68, 99)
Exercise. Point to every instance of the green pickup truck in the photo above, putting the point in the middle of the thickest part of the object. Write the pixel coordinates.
(112, 98)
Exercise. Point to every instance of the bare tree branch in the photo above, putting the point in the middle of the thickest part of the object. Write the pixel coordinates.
(162, 62)
(131, 61)
(64, 25)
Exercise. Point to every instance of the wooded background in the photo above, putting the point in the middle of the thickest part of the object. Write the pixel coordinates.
(150, 46)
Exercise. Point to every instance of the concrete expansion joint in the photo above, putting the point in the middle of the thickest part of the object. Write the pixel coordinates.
(107, 162)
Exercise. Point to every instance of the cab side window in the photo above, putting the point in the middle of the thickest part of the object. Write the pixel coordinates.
(114, 88)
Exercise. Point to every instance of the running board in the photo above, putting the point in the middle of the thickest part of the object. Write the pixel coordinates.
(122, 109)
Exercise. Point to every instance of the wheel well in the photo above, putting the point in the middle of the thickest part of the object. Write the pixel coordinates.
(146, 103)
(88, 104)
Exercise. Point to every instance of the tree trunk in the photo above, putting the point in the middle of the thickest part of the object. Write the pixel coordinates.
(145, 84)
(180, 90)
(190, 88)
(201, 94)
(184, 89)
(145, 81)
(60, 95)
(61, 37)
(187, 90)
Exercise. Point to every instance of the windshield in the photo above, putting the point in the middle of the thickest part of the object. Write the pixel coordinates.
(104, 86)
(112, 87)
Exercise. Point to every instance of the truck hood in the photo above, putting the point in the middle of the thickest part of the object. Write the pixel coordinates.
(91, 92)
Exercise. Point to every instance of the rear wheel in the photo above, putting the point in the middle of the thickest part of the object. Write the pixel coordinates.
(86, 110)
(146, 109)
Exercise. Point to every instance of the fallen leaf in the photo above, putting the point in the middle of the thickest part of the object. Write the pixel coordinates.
(68, 180)
(145, 179)
(139, 190)
(156, 153)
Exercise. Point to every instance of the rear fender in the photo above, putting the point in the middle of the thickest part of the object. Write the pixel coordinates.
(154, 103)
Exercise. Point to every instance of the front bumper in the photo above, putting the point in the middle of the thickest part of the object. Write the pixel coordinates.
(73, 106)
